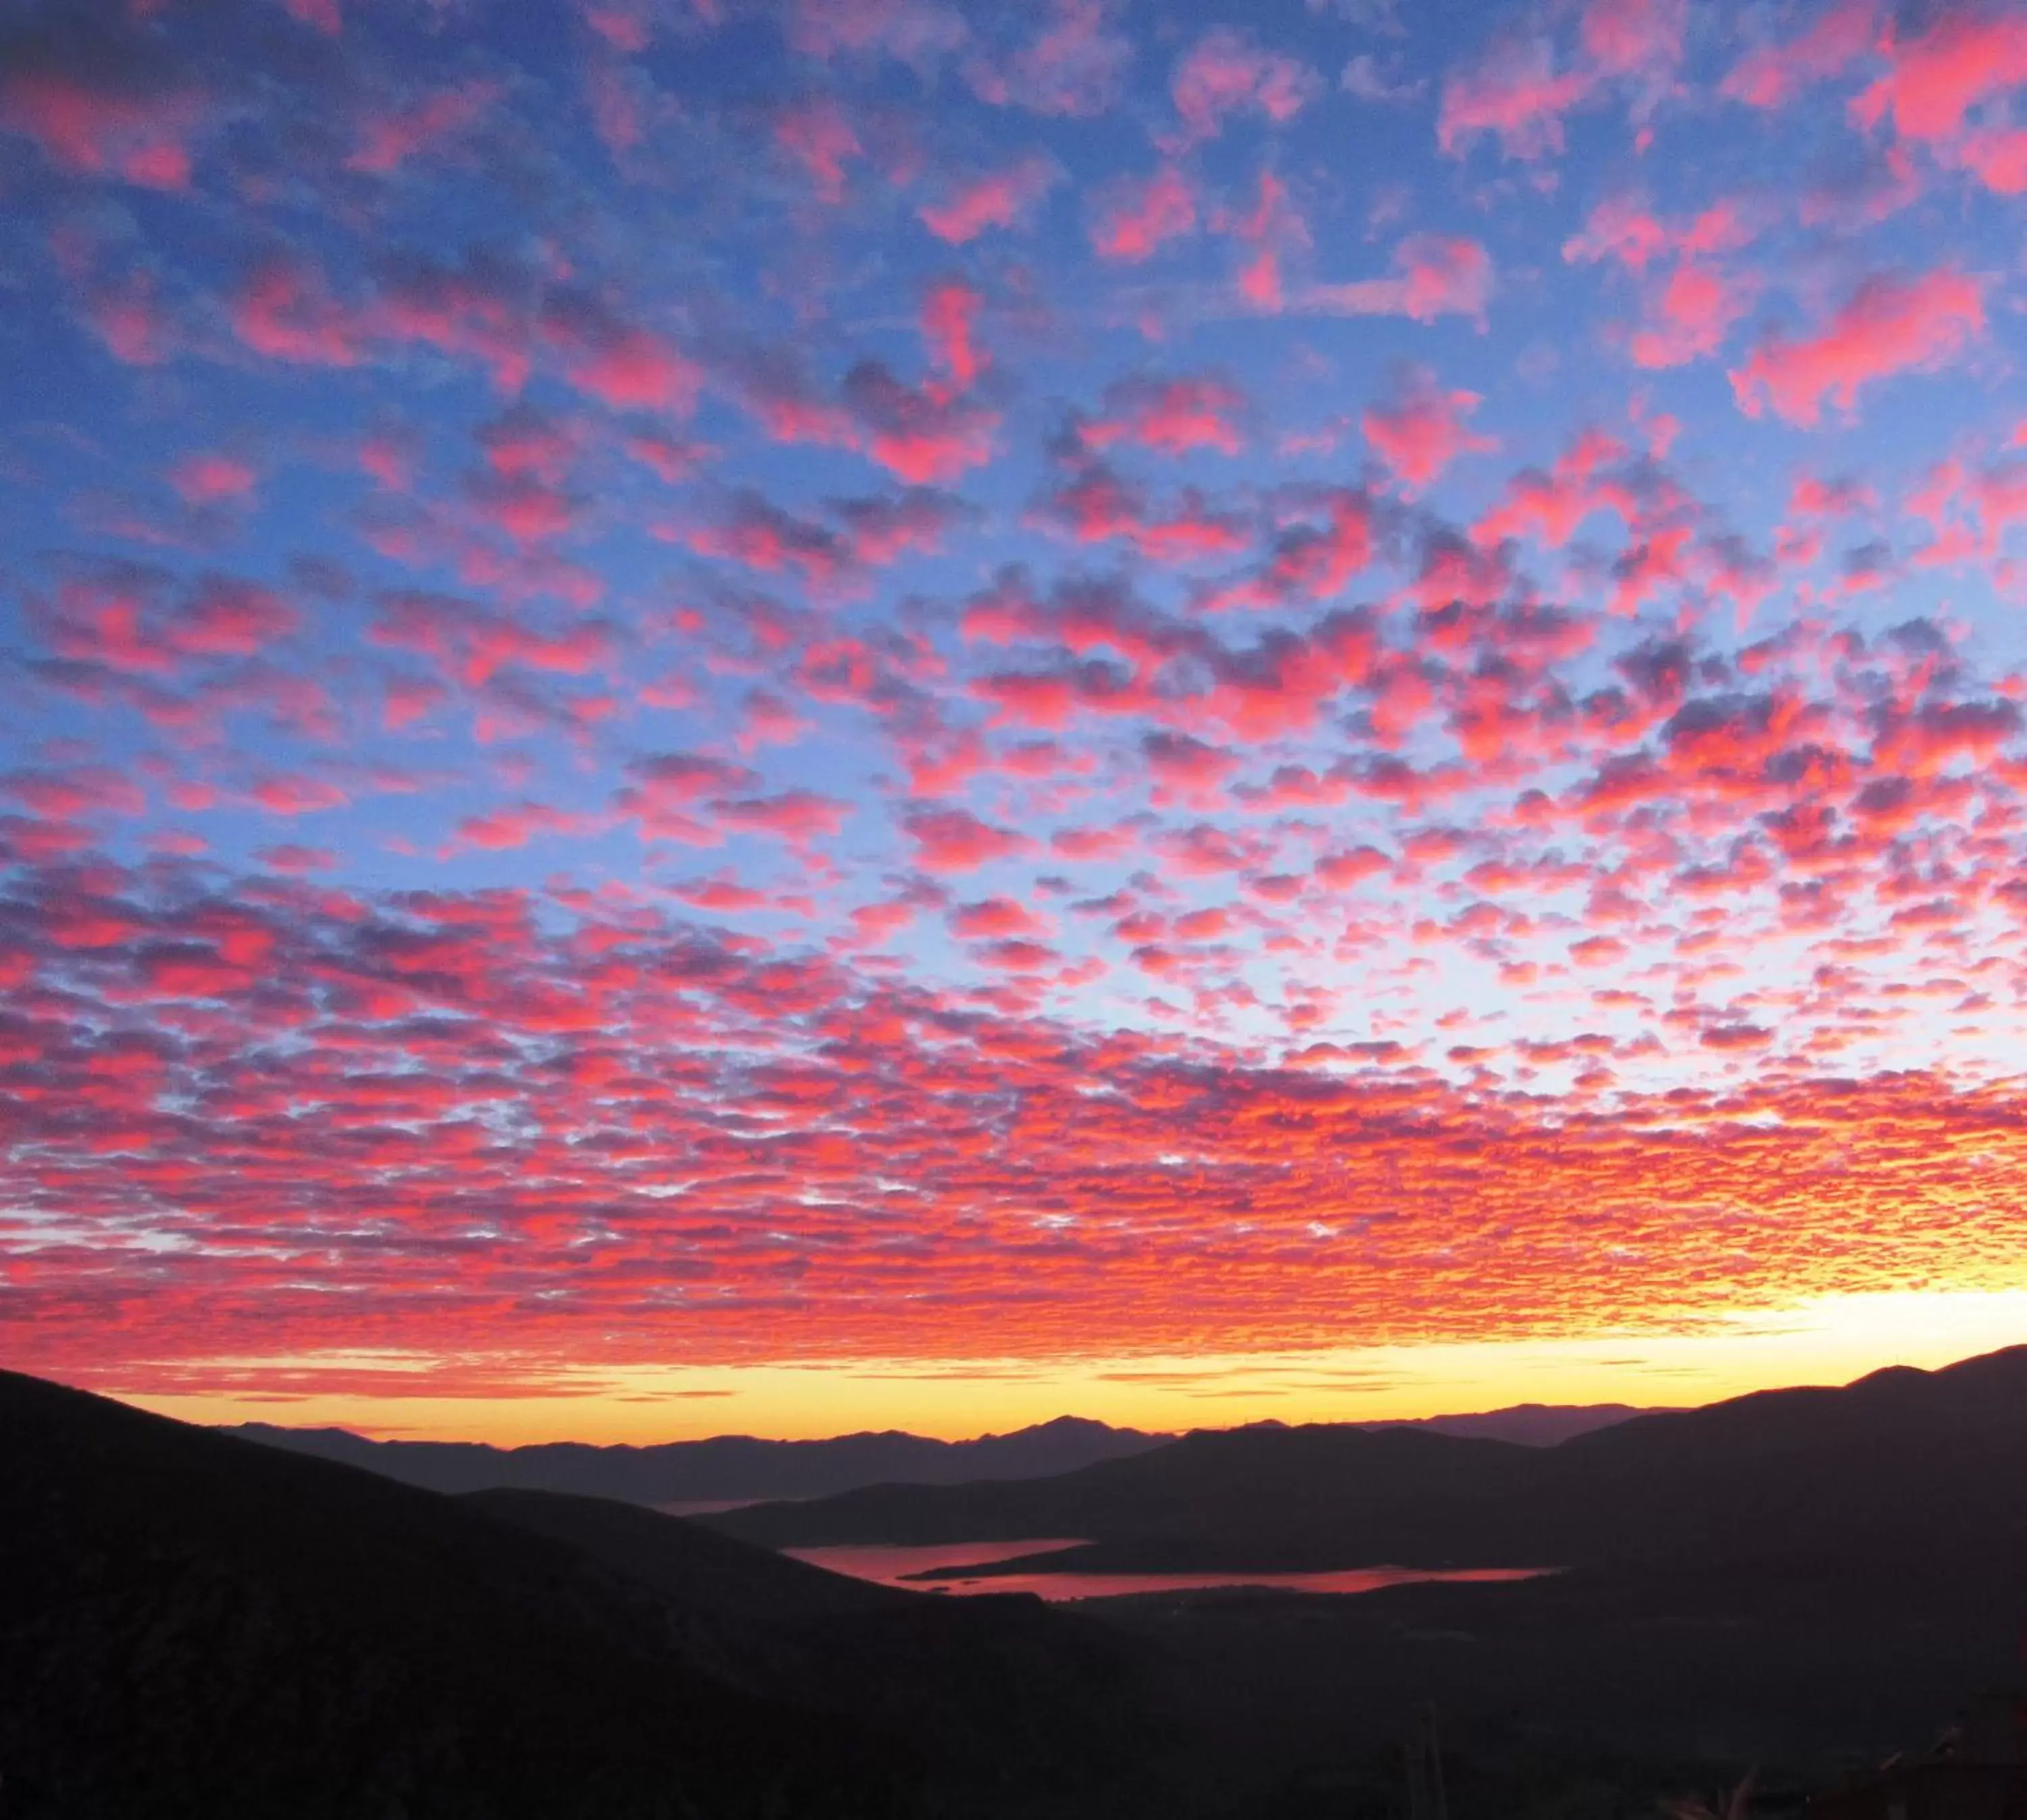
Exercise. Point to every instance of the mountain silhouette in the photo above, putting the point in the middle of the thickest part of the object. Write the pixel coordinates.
(1884, 1471)
(738, 1468)
(726, 1468)
(1530, 1424)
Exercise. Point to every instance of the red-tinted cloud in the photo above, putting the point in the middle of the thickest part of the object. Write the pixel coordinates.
(1773, 73)
(284, 310)
(1516, 95)
(1136, 218)
(1422, 429)
(1622, 37)
(1002, 198)
(1174, 416)
(817, 134)
(1890, 325)
(956, 840)
(1934, 77)
(1689, 316)
(950, 319)
(619, 362)
(387, 139)
(1074, 66)
(1436, 275)
(119, 118)
(1226, 72)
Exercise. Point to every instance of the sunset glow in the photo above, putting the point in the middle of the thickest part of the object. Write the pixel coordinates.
(795, 715)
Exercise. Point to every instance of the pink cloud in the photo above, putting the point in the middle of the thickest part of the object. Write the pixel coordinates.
(1435, 275)
(878, 530)
(1421, 429)
(1689, 316)
(1182, 762)
(1227, 73)
(322, 16)
(996, 917)
(1933, 80)
(388, 140)
(471, 644)
(2000, 159)
(1002, 198)
(1517, 94)
(292, 858)
(480, 309)
(921, 435)
(284, 311)
(134, 128)
(293, 793)
(1631, 37)
(917, 32)
(754, 531)
(1890, 325)
(1273, 227)
(1096, 505)
(514, 825)
(1772, 75)
(223, 617)
(1173, 415)
(671, 459)
(128, 315)
(1136, 218)
(949, 839)
(949, 314)
(816, 133)
(205, 477)
(1075, 66)
(524, 507)
(1621, 229)
(618, 361)
(797, 816)
(74, 790)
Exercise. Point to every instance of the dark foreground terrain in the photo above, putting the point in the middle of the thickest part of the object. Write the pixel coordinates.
(191, 1625)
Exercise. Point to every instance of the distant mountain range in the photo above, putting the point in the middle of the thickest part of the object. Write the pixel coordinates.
(727, 1468)
(738, 1468)
(1525, 1424)
(1882, 1471)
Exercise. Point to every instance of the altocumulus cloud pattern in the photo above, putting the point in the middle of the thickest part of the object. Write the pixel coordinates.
(735, 679)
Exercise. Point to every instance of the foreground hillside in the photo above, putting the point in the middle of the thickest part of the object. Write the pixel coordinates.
(194, 1627)
(191, 1625)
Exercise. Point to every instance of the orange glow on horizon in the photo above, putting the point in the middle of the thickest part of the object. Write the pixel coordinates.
(1830, 1341)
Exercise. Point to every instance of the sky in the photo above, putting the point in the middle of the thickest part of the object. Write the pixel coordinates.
(798, 715)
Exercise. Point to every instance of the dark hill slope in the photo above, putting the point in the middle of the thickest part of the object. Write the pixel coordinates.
(1903, 1471)
(191, 1625)
(705, 1572)
(970, 1682)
